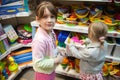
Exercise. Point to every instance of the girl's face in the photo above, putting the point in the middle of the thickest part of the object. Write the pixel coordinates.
(48, 20)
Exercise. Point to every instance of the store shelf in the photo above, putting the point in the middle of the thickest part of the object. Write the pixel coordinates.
(13, 75)
(80, 29)
(113, 59)
(89, 0)
(113, 34)
(14, 3)
(19, 45)
(3, 37)
(14, 47)
(70, 73)
(20, 14)
(5, 54)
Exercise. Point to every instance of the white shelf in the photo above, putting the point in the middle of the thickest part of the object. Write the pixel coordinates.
(89, 0)
(13, 75)
(14, 3)
(113, 59)
(20, 14)
(14, 47)
(70, 73)
(5, 54)
(3, 37)
(80, 29)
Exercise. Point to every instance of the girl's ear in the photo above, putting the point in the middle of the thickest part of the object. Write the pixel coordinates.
(37, 18)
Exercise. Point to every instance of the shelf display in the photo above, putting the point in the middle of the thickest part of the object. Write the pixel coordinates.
(62, 24)
(17, 8)
(80, 26)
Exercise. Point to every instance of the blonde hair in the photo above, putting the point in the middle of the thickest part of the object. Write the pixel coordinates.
(42, 6)
(97, 31)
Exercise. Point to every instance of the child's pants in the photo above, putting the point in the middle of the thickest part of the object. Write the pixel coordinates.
(41, 76)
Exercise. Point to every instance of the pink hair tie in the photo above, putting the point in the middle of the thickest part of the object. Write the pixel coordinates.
(102, 38)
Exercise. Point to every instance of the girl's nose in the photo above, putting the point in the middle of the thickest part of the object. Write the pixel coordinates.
(49, 19)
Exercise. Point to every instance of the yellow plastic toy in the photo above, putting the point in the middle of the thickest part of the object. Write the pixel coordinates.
(13, 67)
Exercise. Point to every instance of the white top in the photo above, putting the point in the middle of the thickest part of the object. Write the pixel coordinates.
(91, 57)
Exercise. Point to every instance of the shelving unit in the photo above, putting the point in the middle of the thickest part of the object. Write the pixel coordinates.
(89, 0)
(80, 29)
(13, 75)
(12, 48)
(20, 14)
(70, 73)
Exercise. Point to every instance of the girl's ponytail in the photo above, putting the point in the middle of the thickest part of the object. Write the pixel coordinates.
(102, 39)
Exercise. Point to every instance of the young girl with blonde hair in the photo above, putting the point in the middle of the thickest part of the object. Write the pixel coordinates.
(92, 57)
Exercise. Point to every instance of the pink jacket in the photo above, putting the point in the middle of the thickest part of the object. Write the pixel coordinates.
(44, 51)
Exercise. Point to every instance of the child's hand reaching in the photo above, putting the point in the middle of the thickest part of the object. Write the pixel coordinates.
(68, 51)
(59, 59)
(62, 51)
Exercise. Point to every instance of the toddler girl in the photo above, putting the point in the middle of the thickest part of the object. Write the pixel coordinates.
(92, 57)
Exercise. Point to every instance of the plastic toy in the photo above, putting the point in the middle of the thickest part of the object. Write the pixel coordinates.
(117, 3)
(27, 28)
(110, 10)
(24, 33)
(15, 53)
(95, 13)
(63, 12)
(2, 77)
(62, 37)
(84, 22)
(11, 33)
(71, 20)
(4, 72)
(77, 67)
(81, 13)
(65, 63)
(3, 42)
(1, 66)
(13, 67)
(109, 21)
(23, 57)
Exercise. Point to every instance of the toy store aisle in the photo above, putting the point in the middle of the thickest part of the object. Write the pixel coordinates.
(28, 74)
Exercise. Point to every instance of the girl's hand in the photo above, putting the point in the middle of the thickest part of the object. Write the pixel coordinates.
(61, 51)
(58, 59)
(68, 51)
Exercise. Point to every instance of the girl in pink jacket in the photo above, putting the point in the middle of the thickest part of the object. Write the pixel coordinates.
(44, 52)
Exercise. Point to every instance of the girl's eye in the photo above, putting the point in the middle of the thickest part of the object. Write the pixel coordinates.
(53, 16)
(45, 16)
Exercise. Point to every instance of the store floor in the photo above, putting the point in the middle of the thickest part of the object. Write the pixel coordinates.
(28, 74)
